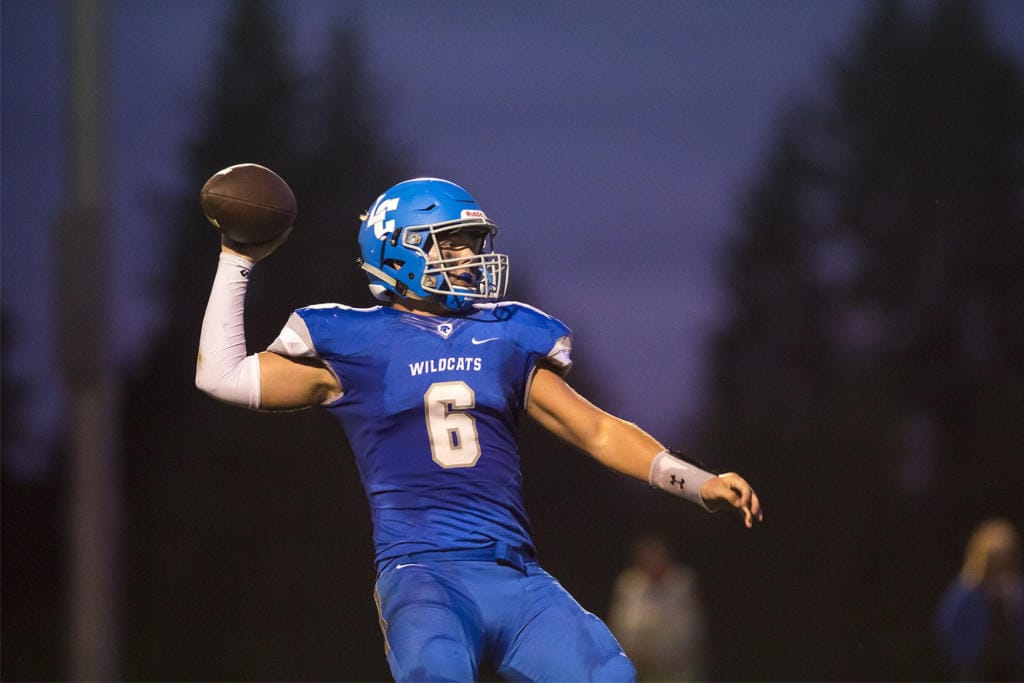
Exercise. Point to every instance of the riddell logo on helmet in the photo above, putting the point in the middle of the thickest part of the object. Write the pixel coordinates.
(474, 213)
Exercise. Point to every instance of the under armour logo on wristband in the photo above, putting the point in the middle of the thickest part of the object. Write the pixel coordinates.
(677, 481)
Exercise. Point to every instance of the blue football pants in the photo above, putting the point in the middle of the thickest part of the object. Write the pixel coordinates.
(448, 620)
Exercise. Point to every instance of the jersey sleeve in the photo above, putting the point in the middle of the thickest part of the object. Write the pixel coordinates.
(294, 340)
(329, 333)
(559, 358)
(325, 331)
(547, 343)
(546, 338)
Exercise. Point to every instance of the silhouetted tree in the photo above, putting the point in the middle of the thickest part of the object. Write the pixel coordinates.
(30, 509)
(249, 552)
(929, 197)
(869, 375)
(778, 298)
(12, 397)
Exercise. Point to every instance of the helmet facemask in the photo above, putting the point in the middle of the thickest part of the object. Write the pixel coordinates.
(476, 273)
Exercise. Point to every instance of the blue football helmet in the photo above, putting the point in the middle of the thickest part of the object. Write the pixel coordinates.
(401, 240)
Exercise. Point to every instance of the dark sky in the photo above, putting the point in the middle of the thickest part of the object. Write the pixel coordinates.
(609, 141)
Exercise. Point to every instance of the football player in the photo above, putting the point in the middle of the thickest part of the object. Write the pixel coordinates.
(429, 387)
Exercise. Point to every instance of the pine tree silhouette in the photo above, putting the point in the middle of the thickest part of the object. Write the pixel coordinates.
(868, 375)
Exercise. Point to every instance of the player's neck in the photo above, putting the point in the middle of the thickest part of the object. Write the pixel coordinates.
(427, 307)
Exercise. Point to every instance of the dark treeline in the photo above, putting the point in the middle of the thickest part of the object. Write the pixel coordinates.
(870, 376)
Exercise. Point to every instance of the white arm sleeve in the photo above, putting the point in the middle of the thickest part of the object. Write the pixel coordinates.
(222, 368)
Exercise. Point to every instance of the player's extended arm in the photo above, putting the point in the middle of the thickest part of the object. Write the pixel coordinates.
(265, 381)
(625, 447)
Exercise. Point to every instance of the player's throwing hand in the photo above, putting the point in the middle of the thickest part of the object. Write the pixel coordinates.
(253, 252)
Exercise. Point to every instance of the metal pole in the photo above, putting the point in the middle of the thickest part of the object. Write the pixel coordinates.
(82, 259)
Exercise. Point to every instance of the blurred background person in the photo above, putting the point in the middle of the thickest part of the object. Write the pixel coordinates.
(980, 618)
(657, 616)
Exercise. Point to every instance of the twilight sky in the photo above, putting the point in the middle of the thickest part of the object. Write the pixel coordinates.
(608, 140)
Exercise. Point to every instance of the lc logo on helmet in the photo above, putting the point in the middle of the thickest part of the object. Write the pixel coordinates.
(377, 217)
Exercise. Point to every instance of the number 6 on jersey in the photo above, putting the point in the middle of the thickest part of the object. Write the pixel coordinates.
(450, 429)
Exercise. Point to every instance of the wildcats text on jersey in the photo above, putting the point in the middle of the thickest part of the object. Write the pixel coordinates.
(450, 364)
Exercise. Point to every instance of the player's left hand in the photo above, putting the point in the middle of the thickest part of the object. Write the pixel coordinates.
(730, 490)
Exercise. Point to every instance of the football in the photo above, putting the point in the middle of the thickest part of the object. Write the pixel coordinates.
(249, 203)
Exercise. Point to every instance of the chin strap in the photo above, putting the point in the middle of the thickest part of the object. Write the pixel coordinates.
(402, 289)
(453, 301)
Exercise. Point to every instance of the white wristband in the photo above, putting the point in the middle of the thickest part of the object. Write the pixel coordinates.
(222, 368)
(678, 477)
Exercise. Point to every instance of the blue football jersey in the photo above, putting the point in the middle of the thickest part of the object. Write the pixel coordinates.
(430, 406)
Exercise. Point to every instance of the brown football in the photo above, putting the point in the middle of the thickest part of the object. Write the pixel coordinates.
(249, 203)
